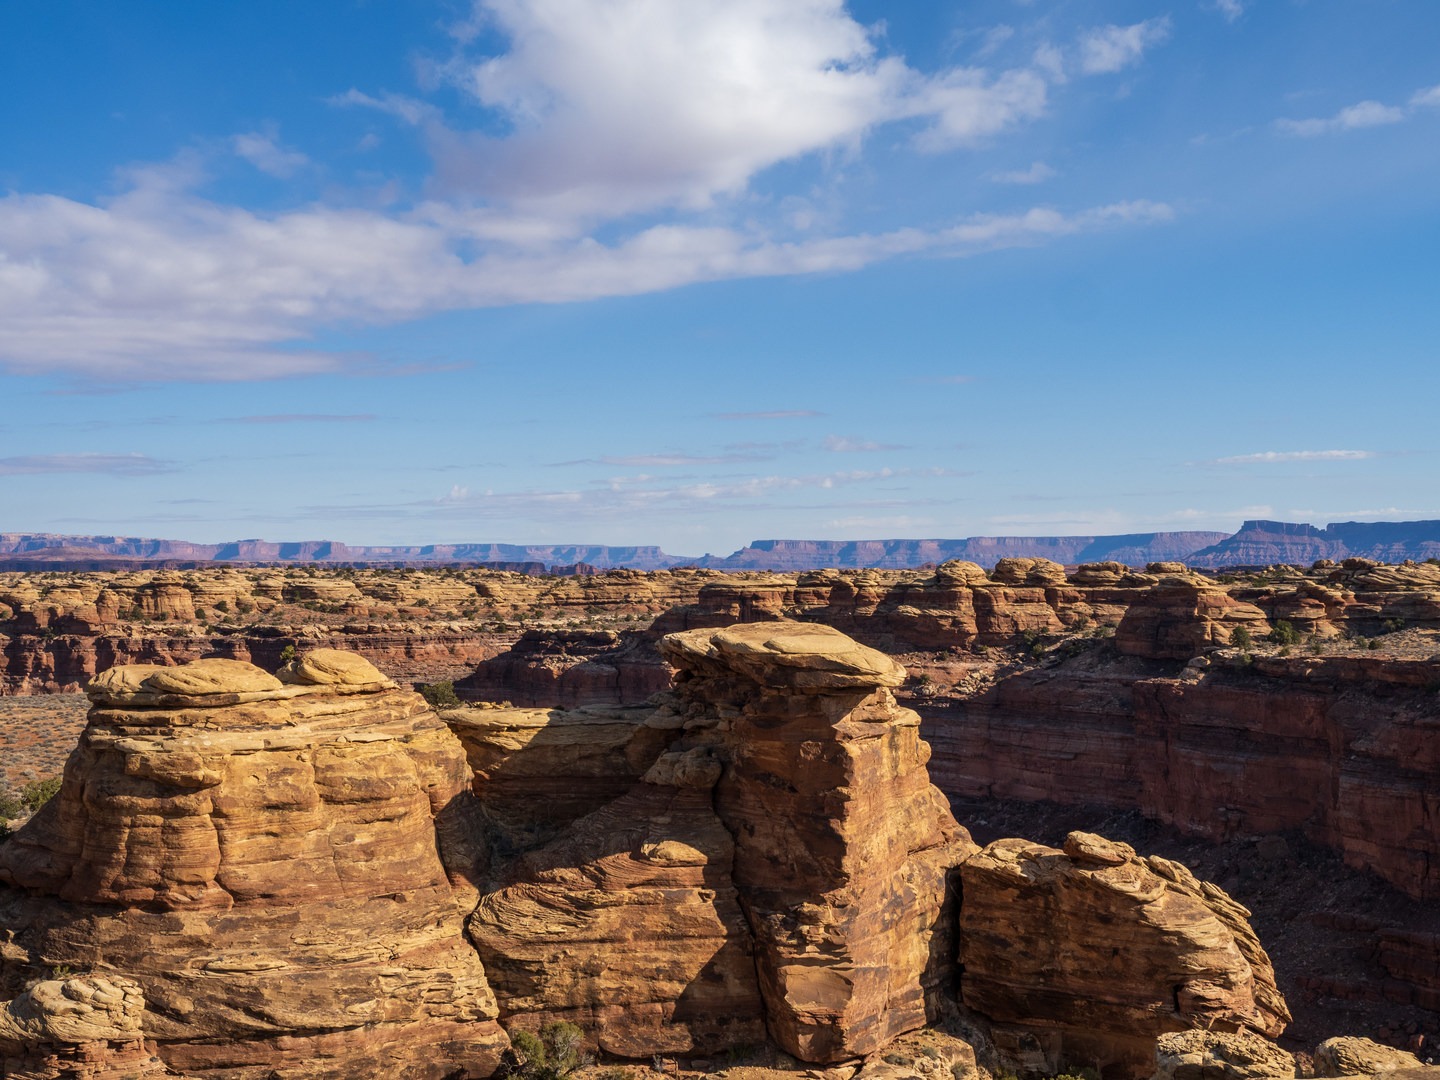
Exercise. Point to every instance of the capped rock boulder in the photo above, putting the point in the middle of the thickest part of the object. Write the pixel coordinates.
(282, 867)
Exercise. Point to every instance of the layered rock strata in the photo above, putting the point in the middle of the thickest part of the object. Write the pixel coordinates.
(629, 924)
(85, 1028)
(843, 849)
(539, 770)
(1342, 748)
(1089, 954)
(282, 866)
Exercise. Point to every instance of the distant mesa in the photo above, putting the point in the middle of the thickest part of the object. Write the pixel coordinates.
(1258, 543)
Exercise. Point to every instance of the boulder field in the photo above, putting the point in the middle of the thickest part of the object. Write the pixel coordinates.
(248, 876)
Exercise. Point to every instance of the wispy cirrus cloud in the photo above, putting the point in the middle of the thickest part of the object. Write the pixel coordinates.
(265, 153)
(103, 464)
(616, 498)
(1364, 114)
(854, 444)
(769, 414)
(649, 461)
(302, 418)
(1230, 9)
(1105, 50)
(1037, 173)
(1281, 457)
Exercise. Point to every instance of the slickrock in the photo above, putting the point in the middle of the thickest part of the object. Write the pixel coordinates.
(843, 849)
(282, 867)
(1346, 1055)
(1220, 1055)
(1098, 951)
(538, 770)
(629, 926)
(79, 1028)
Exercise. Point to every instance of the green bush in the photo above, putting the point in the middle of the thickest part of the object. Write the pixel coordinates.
(1240, 638)
(550, 1055)
(1284, 634)
(287, 654)
(440, 695)
(35, 795)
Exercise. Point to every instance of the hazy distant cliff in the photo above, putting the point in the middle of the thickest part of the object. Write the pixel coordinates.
(1260, 543)
(1257, 543)
(1133, 548)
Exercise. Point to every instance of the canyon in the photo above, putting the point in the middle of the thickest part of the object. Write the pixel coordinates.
(1276, 712)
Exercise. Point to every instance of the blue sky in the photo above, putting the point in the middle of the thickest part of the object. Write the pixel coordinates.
(639, 271)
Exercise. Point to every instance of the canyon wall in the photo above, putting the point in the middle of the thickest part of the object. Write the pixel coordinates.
(294, 878)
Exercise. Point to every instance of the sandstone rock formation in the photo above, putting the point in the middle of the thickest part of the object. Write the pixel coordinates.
(1346, 1055)
(629, 924)
(82, 1028)
(1098, 951)
(1219, 1055)
(570, 668)
(262, 858)
(1182, 615)
(843, 849)
(538, 770)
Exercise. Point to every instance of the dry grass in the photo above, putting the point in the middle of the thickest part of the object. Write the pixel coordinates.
(37, 734)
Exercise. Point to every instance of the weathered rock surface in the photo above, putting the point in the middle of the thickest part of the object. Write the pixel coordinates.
(1347, 1055)
(85, 1028)
(282, 867)
(843, 849)
(629, 925)
(1183, 615)
(1219, 1055)
(538, 770)
(571, 668)
(1342, 748)
(1100, 951)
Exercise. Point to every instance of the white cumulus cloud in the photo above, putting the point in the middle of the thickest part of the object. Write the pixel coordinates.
(601, 111)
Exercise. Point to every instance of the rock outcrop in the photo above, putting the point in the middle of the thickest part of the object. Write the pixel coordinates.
(1219, 1055)
(539, 770)
(1346, 1055)
(282, 866)
(77, 1028)
(843, 849)
(1091, 953)
(629, 924)
(1183, 615)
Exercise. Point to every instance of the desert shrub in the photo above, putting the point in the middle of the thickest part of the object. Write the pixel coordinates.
(1241, 638)
(1393, 626)
(550, 1055)
(1284, 633)
(287, 654)
(37, 794)
(440, 695)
